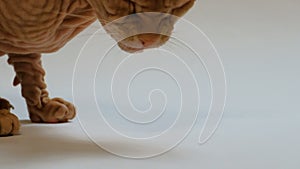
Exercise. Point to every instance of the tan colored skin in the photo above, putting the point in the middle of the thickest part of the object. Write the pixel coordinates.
(31, 27)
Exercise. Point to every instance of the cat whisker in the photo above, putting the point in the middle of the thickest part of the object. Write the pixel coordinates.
(92, 16)
(90, 34)
(76, 15)
(81, 26)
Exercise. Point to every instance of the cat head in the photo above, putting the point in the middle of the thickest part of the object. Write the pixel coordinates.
(139, 24)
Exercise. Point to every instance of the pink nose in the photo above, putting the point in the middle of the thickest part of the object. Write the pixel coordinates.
(149, 39)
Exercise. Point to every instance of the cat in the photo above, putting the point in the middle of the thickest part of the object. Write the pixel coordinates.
(32, 27)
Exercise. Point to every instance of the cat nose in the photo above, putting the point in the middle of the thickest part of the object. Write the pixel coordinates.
(149, 40)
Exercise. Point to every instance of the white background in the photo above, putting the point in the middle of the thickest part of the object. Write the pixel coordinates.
(258, 42)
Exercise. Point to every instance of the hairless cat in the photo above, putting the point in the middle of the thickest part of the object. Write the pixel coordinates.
(32, 27)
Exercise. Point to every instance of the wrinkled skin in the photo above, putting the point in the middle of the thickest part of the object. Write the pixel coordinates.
(32, 27)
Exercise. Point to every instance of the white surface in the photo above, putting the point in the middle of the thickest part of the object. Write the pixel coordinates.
(258, 42)
(239, 143)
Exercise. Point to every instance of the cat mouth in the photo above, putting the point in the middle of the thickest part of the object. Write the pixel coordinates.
(130, 49)
(142, 41)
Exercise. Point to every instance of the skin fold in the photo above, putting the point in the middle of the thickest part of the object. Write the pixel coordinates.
(29, 28)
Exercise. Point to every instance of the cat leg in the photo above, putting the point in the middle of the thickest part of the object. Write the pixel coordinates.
(30, 74)
(9, 123)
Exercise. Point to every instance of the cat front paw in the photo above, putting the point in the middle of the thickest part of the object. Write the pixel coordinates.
(9, 123)
(56, 110)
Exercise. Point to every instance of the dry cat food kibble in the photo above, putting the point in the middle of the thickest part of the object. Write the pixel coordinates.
(32, 27)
